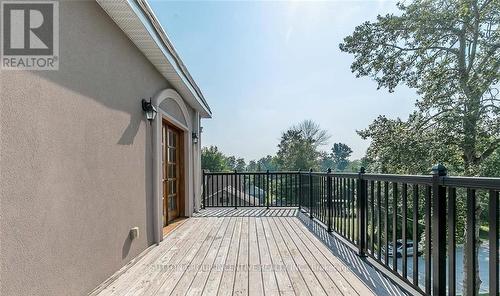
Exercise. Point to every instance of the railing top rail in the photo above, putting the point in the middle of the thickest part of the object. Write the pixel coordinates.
(449, 181)
(412, 179)
(252, 173)
(333, 174)
(472, 182)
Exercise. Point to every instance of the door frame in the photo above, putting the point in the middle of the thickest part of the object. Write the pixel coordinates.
(181, 152)
(189, 187)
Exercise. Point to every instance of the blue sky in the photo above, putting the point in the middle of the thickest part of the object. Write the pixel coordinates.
(264, 66)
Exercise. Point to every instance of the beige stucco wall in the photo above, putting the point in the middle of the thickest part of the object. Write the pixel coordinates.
(75, 160)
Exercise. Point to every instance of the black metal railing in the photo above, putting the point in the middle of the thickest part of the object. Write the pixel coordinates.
(407, 224)
(256, 189)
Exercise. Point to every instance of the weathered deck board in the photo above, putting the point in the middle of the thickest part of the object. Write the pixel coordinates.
(227, 282)
(250, 252)
(241, 276)
(255, 285)
(268, 274)
(299, 250)
(200, 280)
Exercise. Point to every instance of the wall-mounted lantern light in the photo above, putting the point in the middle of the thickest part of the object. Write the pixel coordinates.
(149, 109)
(195, 138)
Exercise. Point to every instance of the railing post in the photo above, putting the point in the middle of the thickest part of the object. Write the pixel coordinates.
(204, 188)
(438, 235)
(300, 189)
(329, 197)
(310, 193)
(361, 213)
(267, 189)
(235, 187)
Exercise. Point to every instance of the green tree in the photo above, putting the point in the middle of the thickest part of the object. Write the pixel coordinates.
(312, 133)
(252, 166)
(268, 163)
(235, 164)
(298, 147)
(326, 161)
(340, 155)
(447, 50)
(215, 161)
(212, 159)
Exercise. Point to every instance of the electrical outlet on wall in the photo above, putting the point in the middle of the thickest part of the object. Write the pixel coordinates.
(134, 233)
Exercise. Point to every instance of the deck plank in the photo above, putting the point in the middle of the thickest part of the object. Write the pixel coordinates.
(196, 253)
(314, 274)
(269, 283)
(227, 281)
(319, 267)
(283, 278)
(294, 270)
(141, 271)
(241, 277)
(340, 270)
(210, 261)
(211, 243)
(255, 285)
(168, 263)
(215, 275)
(249, 252)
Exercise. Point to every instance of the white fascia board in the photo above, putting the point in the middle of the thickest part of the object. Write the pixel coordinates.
(131, 17)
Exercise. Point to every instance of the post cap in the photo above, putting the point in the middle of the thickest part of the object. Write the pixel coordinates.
(267, 171)
(439, 169)
(362, 170)
(329, 170)
(310, 170)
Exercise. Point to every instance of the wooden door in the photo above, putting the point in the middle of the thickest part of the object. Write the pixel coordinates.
(172, 172)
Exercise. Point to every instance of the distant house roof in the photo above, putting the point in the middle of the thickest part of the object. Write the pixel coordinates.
(137, 20)
(229, 192)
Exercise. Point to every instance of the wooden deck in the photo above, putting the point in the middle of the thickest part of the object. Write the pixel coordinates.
(250, 252)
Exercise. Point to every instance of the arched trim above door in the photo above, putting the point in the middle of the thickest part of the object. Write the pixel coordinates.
(186, 126)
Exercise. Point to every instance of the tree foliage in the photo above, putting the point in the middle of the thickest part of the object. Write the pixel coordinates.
(215, 161)
(298, 147)
(340, 155)
(449, 51)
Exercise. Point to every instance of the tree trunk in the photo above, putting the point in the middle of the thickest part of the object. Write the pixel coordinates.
(471, 166)
(466, 264)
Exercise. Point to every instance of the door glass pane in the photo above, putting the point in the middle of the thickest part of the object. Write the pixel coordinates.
(170, 138)
(172, 186)
(171, 170)
(172, 203)
(171, 155)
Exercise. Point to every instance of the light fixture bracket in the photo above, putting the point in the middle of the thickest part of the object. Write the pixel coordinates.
(149, 109)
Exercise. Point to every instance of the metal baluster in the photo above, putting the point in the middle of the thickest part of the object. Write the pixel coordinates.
(386, 224)
(452, 220)
(310, 194)
(439, 233)
(493, 241)
(471, 242)
(428, 240)
(404, 266)
(415, 235)
(394, 226)
(379, 219)
(372, 208)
